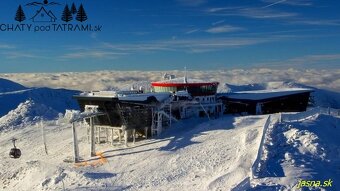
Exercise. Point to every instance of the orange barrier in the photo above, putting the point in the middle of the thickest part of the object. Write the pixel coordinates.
(100, 161)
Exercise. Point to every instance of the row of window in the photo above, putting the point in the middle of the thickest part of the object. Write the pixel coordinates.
(210, 99)
(207, 89)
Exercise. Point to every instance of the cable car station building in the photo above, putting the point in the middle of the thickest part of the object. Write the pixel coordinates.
(148, 112)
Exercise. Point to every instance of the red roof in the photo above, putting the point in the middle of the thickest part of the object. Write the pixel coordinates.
(176, 84)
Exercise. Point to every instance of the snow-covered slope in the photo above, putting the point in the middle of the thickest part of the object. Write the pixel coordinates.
(304, 150)
(321, 97)
(13, 94)
(192, 155)
(213, 155)
(9, 86)
(26, 114)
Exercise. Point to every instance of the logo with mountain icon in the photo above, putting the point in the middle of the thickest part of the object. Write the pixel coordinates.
(43, 13)
(49, 16)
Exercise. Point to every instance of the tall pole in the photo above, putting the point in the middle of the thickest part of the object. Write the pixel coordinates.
(93, 148)
(43, 136)
(170, 114)
(75, 143)
(159, 123)
(185, 75)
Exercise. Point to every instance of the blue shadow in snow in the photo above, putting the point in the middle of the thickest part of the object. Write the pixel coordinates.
(99, 175)
(183, 131)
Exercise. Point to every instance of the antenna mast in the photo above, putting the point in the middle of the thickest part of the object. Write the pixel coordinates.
(185, 75)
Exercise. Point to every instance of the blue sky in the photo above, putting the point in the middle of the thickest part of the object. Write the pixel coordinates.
(171, 34)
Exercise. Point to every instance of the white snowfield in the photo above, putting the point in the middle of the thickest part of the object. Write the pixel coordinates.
(214, 155)
(192, 155)
(307, 149)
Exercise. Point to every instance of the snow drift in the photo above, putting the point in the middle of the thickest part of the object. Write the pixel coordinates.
(25, 114)
(304, 150)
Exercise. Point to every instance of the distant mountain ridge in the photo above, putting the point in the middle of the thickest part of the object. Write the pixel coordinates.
(12, 94)
(9, 86)
(20, 103)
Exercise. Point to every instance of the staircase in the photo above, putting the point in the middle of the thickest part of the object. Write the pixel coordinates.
(161, 117)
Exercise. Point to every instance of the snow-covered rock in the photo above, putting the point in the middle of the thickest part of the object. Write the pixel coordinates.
(26, 113)
(12, 94)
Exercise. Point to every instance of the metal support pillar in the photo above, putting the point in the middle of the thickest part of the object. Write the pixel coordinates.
(43, 136)
(159, 123)
(75, 143)
(170, 113)
(134, 135)
(125, 137)
(92, 140)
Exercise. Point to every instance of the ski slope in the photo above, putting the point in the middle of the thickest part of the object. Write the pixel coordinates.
(213, 155)
(192, 155)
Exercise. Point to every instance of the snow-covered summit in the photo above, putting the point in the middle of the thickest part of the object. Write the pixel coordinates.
(25, 114)
(10, 86)
(58, 99)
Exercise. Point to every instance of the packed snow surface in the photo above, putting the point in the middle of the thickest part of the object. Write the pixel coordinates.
(266, 94)
(301, 150)
(192, 155)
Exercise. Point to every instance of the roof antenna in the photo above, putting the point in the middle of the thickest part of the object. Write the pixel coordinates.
(185, 75)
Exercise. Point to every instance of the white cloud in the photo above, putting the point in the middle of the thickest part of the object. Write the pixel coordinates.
(267, 12)
(20, 54)
(264, 13)
(101, 80)
(93, 54)
(316, 22)
(218, 22)
(94, 35)
(6, 46)
(220, 9)
(192, 45)
(224, 29)
(192, 31)
(274, 3)
(256, 13)
(305, 60)
(288, 2)
(192, 3)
